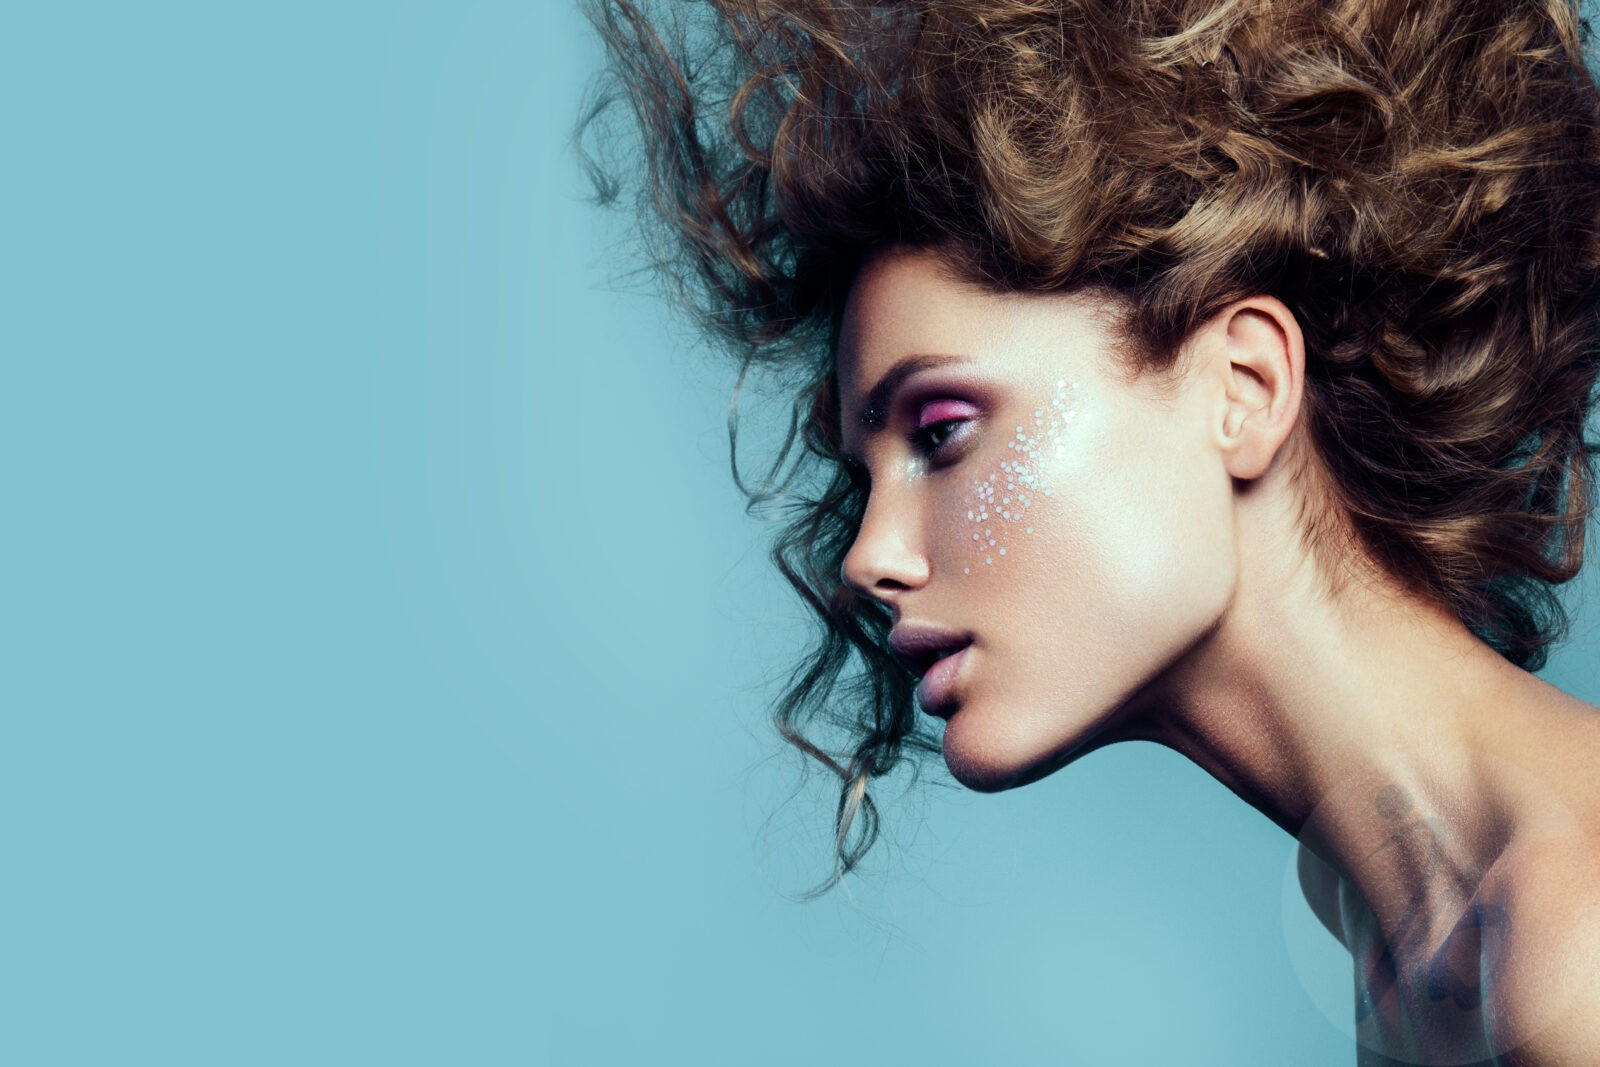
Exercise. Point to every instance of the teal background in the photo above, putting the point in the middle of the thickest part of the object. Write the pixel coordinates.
(387, 654)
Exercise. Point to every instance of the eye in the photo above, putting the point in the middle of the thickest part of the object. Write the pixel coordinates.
(938, 421)
(930, 437)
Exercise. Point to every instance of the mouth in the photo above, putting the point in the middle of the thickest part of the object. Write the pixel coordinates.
(918, 648)
(935, 657)
(936, 691)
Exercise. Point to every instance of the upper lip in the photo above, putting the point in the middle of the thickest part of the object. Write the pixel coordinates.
(920, 647)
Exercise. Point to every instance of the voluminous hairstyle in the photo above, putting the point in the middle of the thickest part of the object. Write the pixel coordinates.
(1417, 180)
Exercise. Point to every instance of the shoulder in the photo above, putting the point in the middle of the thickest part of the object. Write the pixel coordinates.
(1544, 1005)
(1320, 886)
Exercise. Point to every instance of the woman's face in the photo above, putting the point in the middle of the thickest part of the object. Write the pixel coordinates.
(1072, 531)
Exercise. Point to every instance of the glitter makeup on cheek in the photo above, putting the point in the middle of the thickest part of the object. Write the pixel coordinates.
(1003, 498)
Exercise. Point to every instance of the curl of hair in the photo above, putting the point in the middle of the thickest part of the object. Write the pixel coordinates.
(1417, 180)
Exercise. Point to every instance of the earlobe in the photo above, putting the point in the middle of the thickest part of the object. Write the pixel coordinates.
(1263, 362)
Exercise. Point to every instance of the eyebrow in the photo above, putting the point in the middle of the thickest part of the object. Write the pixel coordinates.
(875, 412)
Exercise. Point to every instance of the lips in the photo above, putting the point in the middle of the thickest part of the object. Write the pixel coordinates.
(919, 647)
(936, 690)
(934, 655)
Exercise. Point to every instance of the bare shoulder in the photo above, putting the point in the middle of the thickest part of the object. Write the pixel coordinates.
(1544, 1005)
(1320, 886)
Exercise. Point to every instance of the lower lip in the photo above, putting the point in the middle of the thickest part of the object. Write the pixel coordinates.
(933, 692)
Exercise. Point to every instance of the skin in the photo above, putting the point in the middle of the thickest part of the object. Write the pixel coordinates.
(1446, 801)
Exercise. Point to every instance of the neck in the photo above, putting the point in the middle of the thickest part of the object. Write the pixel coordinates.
(1367, 723)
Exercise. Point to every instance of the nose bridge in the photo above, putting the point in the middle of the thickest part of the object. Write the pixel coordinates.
(887, 553)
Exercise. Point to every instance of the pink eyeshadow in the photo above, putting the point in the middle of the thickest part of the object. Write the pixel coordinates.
(940, 410)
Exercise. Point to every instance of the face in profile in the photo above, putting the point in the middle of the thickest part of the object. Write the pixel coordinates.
(1048, 537)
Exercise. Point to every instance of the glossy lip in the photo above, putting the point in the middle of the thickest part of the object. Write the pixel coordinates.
(933, 692)
(918, 647)
(934, 655)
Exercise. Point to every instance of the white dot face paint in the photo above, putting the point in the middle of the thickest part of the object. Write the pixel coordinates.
(1020, 480)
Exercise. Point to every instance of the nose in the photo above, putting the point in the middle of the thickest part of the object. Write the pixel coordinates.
(886, 557)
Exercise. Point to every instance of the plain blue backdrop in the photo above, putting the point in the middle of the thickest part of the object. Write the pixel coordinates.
(388, 656)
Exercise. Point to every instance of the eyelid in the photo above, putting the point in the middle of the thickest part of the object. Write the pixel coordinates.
(943, 426)
(945, 409)
(935, 406)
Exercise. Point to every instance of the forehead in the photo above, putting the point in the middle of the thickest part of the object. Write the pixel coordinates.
(902, 302)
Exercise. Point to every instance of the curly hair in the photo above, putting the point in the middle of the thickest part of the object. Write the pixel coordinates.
(1417, 180)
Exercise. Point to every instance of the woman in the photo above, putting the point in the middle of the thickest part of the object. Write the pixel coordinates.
(1209, 373)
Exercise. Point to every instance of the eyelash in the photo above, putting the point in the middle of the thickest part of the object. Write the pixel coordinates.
(942, 425)
(923, 437)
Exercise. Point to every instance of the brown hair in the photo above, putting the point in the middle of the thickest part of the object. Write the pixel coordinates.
(1418, 180)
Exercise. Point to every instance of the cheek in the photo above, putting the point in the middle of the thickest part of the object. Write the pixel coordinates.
(1000, 509)
(1169, 527)
(1136, 543)
(1095, 520)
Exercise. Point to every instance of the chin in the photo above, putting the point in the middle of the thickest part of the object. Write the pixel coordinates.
(990, 757)
(979, 763)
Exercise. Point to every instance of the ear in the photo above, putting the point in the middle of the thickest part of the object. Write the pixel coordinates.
(1255, 348)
